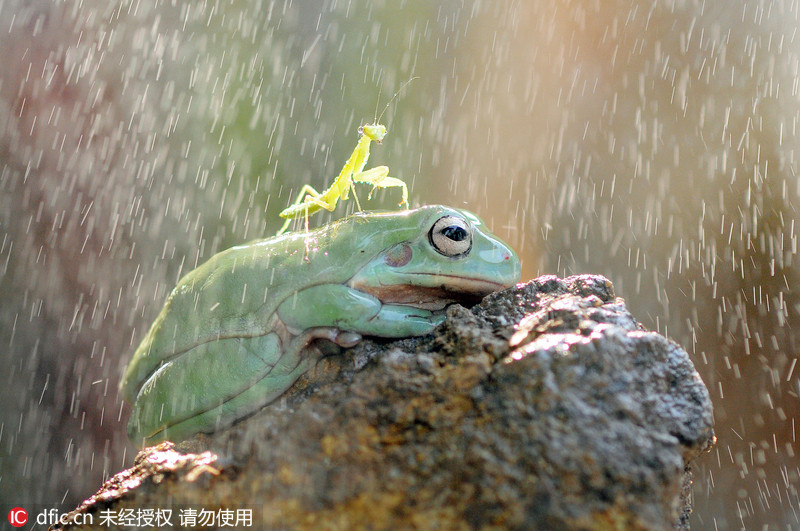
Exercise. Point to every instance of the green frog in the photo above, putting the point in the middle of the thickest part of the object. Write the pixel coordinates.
(239, 330)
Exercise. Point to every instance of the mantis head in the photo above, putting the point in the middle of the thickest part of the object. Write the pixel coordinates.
(374, 132)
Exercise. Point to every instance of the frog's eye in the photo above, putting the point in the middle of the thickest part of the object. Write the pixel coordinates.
(451, 236)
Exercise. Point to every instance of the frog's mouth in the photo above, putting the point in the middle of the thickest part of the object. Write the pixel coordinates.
(441, 291)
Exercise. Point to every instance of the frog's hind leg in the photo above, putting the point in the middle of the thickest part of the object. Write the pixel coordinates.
(222, 395)
(178, 398)
(299, 356)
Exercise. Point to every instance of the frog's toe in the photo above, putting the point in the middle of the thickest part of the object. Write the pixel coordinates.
(347, 339)
(337, 336)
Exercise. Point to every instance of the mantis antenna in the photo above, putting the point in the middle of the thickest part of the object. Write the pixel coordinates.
(404, 85)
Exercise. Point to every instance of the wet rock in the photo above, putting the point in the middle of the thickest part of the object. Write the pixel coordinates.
(546, 406)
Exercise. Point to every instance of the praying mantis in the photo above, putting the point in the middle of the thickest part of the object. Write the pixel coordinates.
(309, 201)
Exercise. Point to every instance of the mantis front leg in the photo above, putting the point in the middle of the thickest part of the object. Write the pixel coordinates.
(378, 177)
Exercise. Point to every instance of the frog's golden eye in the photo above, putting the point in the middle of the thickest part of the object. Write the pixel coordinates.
(451, 236)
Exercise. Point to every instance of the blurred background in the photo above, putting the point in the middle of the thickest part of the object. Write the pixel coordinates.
(653, 142)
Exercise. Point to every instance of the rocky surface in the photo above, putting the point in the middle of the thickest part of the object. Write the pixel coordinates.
(546, 406)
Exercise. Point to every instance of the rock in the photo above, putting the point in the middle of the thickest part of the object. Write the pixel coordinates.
(545, 406)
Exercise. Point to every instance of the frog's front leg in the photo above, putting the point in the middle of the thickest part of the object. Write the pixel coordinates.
(348, 309)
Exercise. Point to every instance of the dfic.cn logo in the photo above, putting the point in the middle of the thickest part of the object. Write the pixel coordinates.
(17, 516)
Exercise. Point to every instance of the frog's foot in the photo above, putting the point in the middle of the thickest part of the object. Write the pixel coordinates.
(347, 339)
(303, 346)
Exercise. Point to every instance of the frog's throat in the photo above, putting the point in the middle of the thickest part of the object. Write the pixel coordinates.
(448, 289)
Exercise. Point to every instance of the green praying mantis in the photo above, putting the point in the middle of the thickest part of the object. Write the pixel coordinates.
(309, 201)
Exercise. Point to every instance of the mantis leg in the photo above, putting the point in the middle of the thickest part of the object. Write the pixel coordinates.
(308, 201)
(355, 196)
(378, 177)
